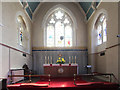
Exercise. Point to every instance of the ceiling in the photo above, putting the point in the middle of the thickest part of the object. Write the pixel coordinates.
(88, 7)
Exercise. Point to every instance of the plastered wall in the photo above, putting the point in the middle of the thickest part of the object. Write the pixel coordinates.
(109, 62)
(12, 58)
(38, 19)
(119, 39)
(0, 38)
(10, 11)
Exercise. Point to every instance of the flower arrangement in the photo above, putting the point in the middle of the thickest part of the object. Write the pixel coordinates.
(60, 60)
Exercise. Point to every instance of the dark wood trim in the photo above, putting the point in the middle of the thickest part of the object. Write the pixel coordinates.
(105, 48)
(97, 52)
(17, 69)
(101, 52)
(47, 75)
(113, 46)
(14, 48)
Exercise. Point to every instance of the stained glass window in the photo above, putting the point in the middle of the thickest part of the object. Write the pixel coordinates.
(99, 34)
(104, 31)
(59, 29)
(101, 29)
(21, 28)
(68, 35)
(50, 35)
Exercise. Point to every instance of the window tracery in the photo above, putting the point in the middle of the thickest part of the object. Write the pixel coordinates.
(59, 29)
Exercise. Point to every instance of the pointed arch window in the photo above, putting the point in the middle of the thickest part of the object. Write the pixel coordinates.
(21, 29)
(59, 29)
(23, 34)
(101, 29)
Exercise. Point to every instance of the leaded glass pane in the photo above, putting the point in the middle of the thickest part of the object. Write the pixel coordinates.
(68, 35)
(20, 35)
(99, 34)
(50, 36)
(104, 31)
(66, 21)
(101, 30)
(52, 21)
(59, 32)
(68, 42)
(68, 31)
(102, 18)
(21, 28)
(59, 15)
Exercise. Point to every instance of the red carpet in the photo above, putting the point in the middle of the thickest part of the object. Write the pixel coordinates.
(62, 84)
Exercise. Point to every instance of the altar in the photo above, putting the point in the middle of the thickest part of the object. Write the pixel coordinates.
(61, 70)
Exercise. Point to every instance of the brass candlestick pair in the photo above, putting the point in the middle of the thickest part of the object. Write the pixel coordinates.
(48, 59)
(72, 60)
(59, 55)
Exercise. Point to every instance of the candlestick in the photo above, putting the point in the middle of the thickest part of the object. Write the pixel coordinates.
(48, 59)
(45, 60)
(51, 59)
(75, 59)
(72, 59)
(69, 59)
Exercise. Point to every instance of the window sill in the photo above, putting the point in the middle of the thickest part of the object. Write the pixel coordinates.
(58, 48)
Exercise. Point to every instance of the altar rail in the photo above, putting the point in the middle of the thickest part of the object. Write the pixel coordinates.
(104, 76)
(16, 72)
(41, 76)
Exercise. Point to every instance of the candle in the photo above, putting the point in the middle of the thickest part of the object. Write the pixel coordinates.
(75, 59)
(72, 59)
(45, 60)
(51, 59)
(69, 59)
(48, 59)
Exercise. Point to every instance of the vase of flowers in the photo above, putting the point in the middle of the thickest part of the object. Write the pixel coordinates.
(60, 60)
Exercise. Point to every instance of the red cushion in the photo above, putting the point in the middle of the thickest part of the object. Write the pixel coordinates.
(90, 83)
(82, 84)
(97, 83)
(13, 85)
(34, 84)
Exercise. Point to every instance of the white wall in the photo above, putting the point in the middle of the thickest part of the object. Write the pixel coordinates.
(119, 40)
(5, 61)
(0, 46)
(38, 32)
(111, 11)
(0, 39)
(17, 59)
(109, 62)
(12, 58)
(10, 11)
